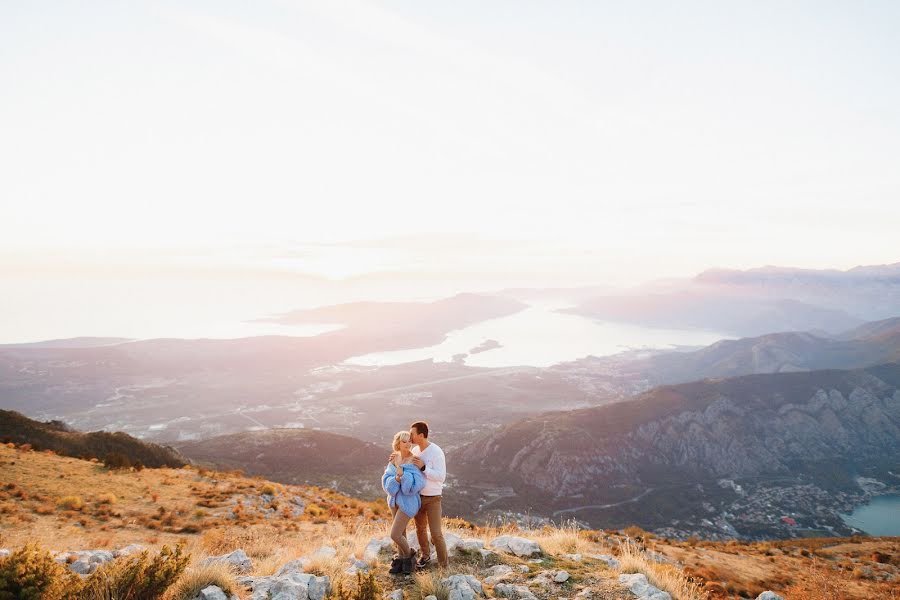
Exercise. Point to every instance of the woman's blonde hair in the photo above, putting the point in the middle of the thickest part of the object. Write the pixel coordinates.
(400, 436)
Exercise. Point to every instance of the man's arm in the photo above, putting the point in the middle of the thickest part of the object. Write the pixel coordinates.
(438, 470)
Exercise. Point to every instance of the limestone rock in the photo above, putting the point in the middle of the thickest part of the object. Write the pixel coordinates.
(212, 592)
(298, 565)
(463, 587)
(497, 574)
(514, 592)
(325, 552)
(561, 577)
(769, 596)
(237, 559)
(640, 587)
(292, 586)
(395, 595)
(515, 545)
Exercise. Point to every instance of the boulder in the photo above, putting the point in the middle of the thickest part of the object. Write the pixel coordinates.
(561, 577)
(83, 567)
(395, 595)
(298, 565)
(292, 586)
(469, 545)
(769, 596)
(237, 559)
(515, 545)
(212, 592)
(463, 587)
(572, 557)
(640, 587)
(4, 552)
(497, 574)
(514, 592)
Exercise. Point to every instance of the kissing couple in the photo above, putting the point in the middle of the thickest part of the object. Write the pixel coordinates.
(414, 479)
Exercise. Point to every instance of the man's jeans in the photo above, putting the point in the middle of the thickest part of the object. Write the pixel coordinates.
(430, 514)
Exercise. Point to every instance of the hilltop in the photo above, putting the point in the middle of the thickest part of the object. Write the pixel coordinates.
(84, 506)
(57, 436)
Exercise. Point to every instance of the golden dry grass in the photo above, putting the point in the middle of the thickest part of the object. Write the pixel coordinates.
(665, 577)
(214, 513)
(195, 578)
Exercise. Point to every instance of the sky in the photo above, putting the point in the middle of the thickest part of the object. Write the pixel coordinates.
(543, 142)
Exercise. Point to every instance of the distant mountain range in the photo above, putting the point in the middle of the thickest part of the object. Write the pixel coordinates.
(820, 427)
(58, 437)
(869, 344)
(756, 301)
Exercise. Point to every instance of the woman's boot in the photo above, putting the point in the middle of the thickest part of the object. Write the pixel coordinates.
(396, 564)
(409, 563)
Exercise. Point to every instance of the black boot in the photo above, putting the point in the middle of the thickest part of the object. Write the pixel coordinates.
(396, 564)
(409, 563)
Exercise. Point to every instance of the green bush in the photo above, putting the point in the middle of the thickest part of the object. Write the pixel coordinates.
(30, 573)
(136, 577)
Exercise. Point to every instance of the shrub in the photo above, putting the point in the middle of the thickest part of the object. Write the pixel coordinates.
(70, 503)
(136, 577)
(108, 498)
(30, 573)
(366, 589)
(198, 577)
(267, 490)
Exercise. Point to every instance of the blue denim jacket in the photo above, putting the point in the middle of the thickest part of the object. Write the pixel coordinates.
(404, 494)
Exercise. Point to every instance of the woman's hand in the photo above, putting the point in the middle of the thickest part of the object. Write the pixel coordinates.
(399, 474)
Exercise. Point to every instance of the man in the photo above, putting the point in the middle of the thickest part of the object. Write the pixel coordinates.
(430, 459)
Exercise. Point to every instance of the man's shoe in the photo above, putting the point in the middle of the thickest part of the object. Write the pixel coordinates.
(423, 562)
(409, 564)
(396, 564)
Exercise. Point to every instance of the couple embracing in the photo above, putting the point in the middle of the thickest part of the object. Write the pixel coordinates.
(414, 479)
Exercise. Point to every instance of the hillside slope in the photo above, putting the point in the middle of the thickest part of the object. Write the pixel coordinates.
(19, 429)
(821, 428)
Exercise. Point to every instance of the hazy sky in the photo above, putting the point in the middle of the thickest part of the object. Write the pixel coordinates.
(587, 140)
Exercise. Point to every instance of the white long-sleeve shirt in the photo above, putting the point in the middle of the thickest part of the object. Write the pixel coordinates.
(435, 468)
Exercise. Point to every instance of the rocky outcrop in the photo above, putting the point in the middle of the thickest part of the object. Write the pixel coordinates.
(640, 587)
(740, 427)
(238, 560)
(516, 545)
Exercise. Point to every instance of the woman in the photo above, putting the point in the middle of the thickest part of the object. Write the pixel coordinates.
(402, 480)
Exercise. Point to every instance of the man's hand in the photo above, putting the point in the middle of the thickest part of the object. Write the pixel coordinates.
(393, 455)
(418, 462)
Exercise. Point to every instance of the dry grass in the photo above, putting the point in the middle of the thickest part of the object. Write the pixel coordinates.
(428, 584)
(196, 578)
(564, 539)
(665, 577)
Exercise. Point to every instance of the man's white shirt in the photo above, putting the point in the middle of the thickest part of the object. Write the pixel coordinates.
(435, 468)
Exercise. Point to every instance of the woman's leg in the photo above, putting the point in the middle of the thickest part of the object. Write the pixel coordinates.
(398, 532)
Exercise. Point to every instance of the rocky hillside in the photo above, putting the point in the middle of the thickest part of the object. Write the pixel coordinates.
(296, 456)
(827, 425)
(248, 539)
(19, 429)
